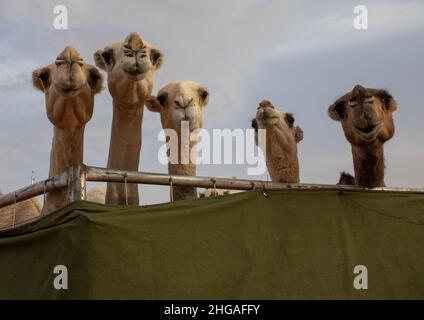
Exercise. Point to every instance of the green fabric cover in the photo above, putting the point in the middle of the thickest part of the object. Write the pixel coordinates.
(294, 244)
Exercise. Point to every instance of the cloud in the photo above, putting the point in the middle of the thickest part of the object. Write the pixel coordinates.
(302, 54)
(330, 27)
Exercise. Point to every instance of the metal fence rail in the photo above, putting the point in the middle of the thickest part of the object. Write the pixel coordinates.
(76, 177)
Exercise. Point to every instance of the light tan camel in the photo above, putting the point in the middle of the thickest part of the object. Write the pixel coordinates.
(25, 211)
(282, 137)
(130, 66)
(211, 192)
(97, 194)
(181, 103)
(367, 122)
(69, 86)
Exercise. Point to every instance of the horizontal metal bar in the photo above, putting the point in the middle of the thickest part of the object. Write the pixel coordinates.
(53, 183)
(110, 175)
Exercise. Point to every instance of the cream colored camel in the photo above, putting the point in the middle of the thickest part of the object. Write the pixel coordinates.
(25, 211)
(97, 194)
(130, 66)
(367, 122)
(282, 137)
(69, 86)
(211, 192)
(214, 192)
(181, 103)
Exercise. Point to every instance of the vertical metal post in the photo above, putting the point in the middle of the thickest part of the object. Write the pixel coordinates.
(76, 183)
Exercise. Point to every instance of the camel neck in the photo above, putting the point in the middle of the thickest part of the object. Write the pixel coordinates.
(281, 157)
(67, 149)
(184, 165)
(183, 193)
(125, 140)
(368, 162)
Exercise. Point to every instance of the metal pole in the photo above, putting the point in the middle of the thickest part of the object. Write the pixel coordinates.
(111, 175)
(53, 183)
(76, 183)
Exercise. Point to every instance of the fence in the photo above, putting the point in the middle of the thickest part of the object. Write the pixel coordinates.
(76, 177)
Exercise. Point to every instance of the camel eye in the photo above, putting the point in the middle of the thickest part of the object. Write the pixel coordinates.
(353, 102)
(178, 104)
(59, 62)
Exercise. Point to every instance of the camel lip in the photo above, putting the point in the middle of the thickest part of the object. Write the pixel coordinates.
(135, 74)
(69, 91)
(366, 130)
(367, 133)
(264, 117)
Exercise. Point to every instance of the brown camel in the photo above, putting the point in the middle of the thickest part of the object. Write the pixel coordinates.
(69, 86)
(367, 122)
(130, 66)
(181, 103)
(282, 137)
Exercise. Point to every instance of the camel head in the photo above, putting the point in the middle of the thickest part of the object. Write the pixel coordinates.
(365, 115)
(131, 60)
(269, 118)
(66, 83)
(180, 101)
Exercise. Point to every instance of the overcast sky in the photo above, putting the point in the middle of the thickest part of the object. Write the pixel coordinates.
(301, 55)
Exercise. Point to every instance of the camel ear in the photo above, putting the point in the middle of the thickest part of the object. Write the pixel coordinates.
(41, 79)
(104, 58)
(94, 79)
(298, 134)
(155, 104)
(204, 96)
(337, 111)
(156, 57)
(388, 100)
(255, 126)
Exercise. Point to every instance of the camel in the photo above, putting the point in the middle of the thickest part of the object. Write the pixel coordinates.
(69, 86)
(97, 194)
(281, 137)
(181, 103)
(130, 67)
(25, 211)
(366, 118)
(211, 192)
(215, 192)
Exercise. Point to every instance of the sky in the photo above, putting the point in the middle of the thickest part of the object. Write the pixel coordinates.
(301, 55)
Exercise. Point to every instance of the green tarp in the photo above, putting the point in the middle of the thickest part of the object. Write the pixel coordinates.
(294, 244)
